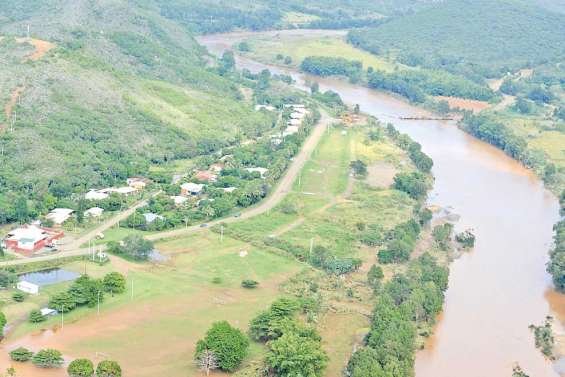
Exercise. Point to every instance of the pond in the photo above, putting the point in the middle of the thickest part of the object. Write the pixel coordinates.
(47, 277)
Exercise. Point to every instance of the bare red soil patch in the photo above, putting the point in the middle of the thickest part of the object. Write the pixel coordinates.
(464, 104)
(41, 48)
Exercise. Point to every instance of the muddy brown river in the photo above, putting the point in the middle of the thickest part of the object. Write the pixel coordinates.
(499, 289)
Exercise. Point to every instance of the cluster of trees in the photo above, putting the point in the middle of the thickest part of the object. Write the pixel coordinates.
(293, 348)
(442, 235)
(51, 358)
(415, 297)
(401, 241)
(466, 239)
(422, 161)
(223, 347)
(415, 184)
(134, 247)
(332, 66)
(543, 334)
(415, 85)
(84, 291)
(323, 258)
(556, 265)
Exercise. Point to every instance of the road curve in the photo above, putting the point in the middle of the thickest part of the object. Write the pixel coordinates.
(283, 187)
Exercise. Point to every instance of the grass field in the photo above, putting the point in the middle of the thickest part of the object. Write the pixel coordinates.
(299, 47)
(173, 304)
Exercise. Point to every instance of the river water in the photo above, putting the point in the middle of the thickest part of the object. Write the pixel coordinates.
(501, 287)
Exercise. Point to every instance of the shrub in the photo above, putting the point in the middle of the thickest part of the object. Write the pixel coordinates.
(114, 282)
(21, 354)
(18, 296)
(108, 368)
(3, 322)
(35, 316)
(81, 368)
(228, 343)
(48, 358)
(249, 283)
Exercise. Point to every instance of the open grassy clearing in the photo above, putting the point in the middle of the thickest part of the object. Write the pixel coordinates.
(299, 47)
(173, 305)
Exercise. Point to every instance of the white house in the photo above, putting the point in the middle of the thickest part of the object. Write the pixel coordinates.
(150, 217)
(95, 195)
(94, 212)
(229, 189)
(297, 115)
(290, 130)
(60, 215)
(294, 122)
(191, 188)
(179, 200)
(266, 107)
(27, 287)
(46, 311)
(138, 183)
(261, 171)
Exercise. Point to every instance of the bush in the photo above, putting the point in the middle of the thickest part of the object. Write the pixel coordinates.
(21, 354)
(228, 343)
(3, 322)
(48, 358)
(81, 368)
(249, 283)
(114, 282)
(35, 316)
(294, 355)
(108, 368)
(18, 296)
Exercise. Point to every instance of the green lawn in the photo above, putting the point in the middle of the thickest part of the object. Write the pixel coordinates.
(299, 47)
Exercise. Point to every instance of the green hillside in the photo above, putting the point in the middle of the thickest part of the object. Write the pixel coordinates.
(470, 36)
(122, 89)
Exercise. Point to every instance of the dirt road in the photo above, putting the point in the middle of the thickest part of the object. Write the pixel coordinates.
(283, 187)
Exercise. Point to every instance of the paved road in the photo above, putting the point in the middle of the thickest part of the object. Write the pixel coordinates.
(283, 187)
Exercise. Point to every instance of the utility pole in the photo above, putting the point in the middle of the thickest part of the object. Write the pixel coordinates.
(98, 302)
(62, 317)
(311, 245)
(28, 33)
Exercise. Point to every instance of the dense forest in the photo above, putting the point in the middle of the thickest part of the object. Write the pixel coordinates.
(477, 38)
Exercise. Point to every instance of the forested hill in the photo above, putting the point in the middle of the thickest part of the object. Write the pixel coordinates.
(113, 89)
(484, 36)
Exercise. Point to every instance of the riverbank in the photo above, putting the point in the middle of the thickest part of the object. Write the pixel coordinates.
(481, 184)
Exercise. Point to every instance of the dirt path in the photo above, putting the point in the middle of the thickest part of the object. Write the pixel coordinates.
(284, 186)
(41, 48)
(9, 108)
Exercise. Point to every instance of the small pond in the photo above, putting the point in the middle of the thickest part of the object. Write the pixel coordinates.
(47, 277)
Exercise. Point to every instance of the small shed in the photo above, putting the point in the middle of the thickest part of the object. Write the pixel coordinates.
(46, 311)
(27, 287)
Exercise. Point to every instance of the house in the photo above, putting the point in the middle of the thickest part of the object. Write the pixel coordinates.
(138, 183)
(191, 188)
(295, 106)
(290, 130)
(179, 200)
(276, 140)
(60, 215)
(217, 167)
(297, 115)
(125, 190)
(264, 107)
(151, 217)
(27, 287)
(294, 122)
(95, 195)
(261, 171)
(48, 312)
(206, 176)
(94, 212)
(226, 157)
(229, 189)
(30, 238)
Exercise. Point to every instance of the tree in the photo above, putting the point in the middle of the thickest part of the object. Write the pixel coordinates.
(108, 368)
(81, 207)
(35, 316)
(62, 302)
(207, 361)
(365, 363)
(3, 322)
(7, 278)
(81, 368)
(315, 87)
(248, 283)
(414, 184)
(2, 251)
(293, 355)
(21, 354)
(359, 168)
(228, 344)
(114, 282)
(137, 247)
(48, 358)
(375, 276)
(21, 210)
(86, 291)
(226, 63)
(18, 296)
